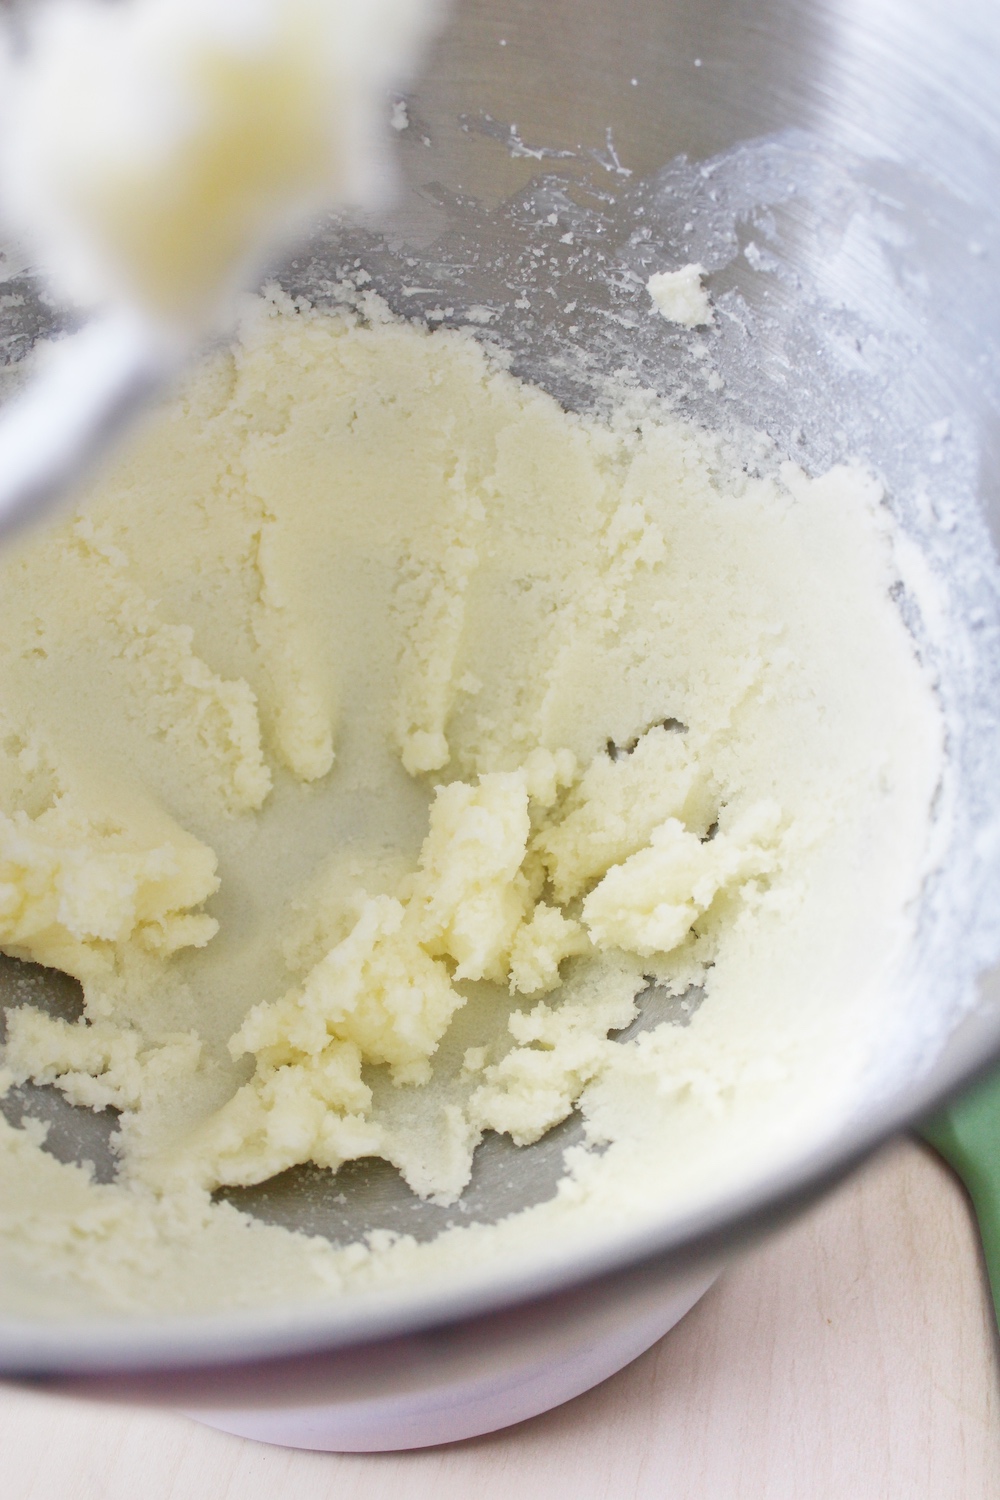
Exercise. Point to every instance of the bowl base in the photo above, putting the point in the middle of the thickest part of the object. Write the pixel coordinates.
(484, 1402)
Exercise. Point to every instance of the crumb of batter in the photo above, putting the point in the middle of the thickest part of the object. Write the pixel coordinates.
(680, 297)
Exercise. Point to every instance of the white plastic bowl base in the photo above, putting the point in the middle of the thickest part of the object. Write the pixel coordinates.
(484, 1401)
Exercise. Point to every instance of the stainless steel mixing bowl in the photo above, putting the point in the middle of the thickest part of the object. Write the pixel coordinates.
(834, 165)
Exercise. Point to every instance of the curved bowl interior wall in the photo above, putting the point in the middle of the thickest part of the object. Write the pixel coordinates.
(833, 167)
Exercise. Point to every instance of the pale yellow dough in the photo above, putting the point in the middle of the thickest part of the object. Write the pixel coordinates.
(370, 739)
(161, 150)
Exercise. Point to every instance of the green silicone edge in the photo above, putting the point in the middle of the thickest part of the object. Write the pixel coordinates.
(966, 1133)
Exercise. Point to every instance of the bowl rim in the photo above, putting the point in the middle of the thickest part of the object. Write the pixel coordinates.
(37, 1349)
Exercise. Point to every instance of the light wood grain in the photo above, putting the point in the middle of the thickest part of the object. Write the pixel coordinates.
(853, 1357)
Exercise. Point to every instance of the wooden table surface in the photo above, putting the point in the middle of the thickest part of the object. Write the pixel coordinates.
(853, 1357)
